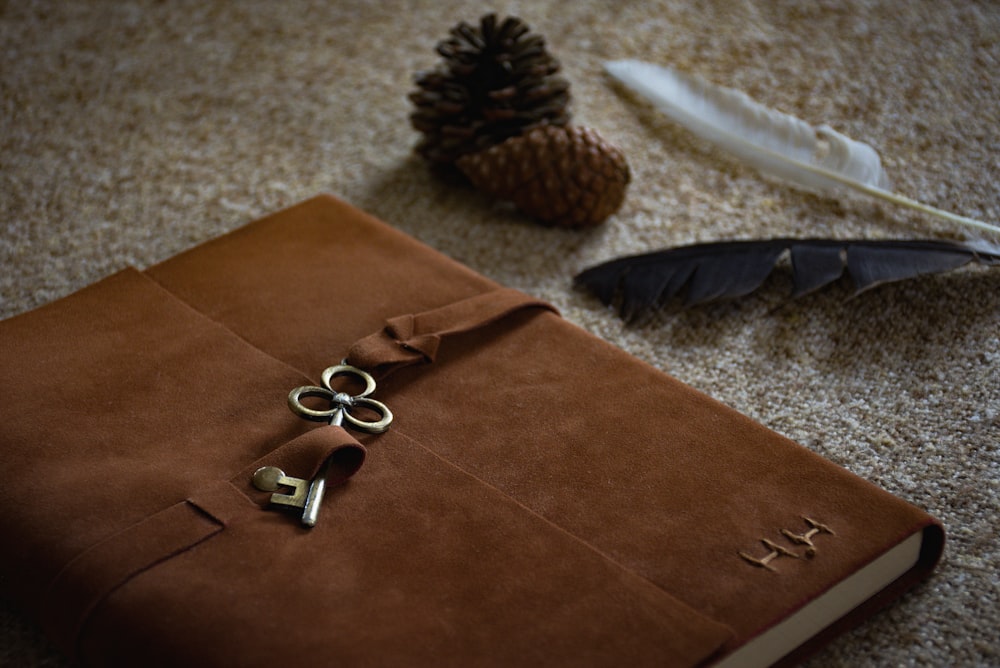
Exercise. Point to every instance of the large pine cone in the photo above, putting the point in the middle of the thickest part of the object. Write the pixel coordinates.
(497, 81)
(564, 176)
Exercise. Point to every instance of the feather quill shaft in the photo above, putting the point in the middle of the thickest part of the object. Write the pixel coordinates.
(817, 158)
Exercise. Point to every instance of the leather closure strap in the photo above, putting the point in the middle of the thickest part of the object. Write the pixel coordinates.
(87, 580)
(416, 338)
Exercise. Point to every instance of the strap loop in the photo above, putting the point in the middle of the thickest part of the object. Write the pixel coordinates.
(416, 338)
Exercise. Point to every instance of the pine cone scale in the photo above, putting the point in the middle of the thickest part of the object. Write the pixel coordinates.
(511, 30)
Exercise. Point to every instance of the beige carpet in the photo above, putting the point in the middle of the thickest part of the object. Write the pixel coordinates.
(130, 131)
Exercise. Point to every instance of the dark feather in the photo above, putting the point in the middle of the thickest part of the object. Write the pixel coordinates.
(728, 269)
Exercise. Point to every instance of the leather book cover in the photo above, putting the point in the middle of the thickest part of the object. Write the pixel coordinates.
(541, 497)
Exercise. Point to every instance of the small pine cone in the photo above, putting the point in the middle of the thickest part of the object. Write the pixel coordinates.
(563, 176)
(496, 80)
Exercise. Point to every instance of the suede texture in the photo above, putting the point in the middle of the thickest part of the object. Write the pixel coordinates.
(541, 497)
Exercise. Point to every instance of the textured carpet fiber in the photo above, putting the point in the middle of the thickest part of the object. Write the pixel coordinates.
(130, 131)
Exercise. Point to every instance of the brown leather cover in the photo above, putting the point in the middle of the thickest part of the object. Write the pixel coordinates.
(542, 498)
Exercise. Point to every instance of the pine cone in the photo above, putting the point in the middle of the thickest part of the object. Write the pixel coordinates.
(565, 176)
(496, 82)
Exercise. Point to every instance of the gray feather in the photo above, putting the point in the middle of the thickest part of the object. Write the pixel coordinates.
(704, 273)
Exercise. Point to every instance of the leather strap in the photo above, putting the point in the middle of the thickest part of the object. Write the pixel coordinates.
(88, 579)
(415, 338)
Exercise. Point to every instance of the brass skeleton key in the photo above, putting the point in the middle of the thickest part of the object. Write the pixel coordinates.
(308, 494)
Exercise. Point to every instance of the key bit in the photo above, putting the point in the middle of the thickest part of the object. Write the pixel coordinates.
(306, 494)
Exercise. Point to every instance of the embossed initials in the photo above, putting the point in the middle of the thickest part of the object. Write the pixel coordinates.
(777, 551)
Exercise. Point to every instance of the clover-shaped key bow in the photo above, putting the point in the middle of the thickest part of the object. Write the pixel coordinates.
(341, 403)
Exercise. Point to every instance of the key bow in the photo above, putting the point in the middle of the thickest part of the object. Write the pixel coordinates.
(341, 403)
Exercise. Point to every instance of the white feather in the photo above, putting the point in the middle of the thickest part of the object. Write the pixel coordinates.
(818, 158)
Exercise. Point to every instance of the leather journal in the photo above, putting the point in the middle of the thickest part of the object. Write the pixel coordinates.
(476, 481)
